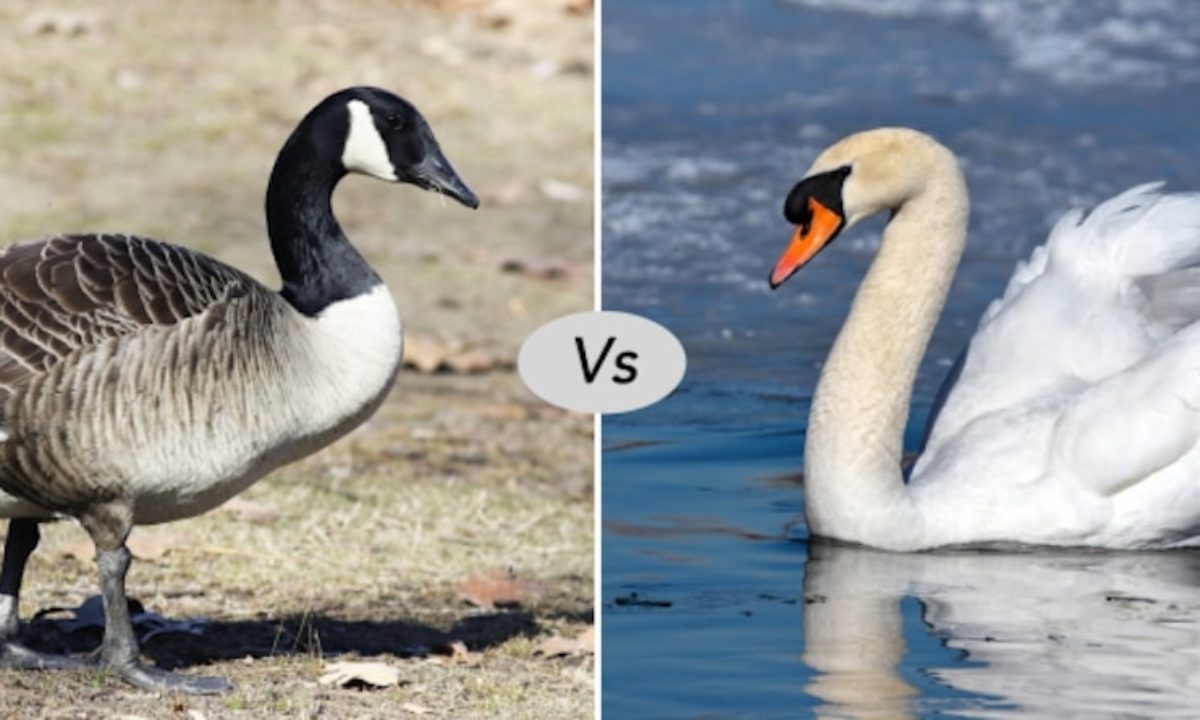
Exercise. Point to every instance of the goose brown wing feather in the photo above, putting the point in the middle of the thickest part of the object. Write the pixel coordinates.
(61, 294)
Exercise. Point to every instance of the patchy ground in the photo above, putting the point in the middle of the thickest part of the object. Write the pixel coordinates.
(125, 116)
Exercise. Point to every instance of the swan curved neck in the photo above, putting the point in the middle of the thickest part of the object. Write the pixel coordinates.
(315, 259)
(854, 488)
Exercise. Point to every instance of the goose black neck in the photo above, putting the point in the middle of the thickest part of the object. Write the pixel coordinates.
(318, 264)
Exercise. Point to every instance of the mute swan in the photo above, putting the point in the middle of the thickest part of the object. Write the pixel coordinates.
(1075, 419)
(142, 382)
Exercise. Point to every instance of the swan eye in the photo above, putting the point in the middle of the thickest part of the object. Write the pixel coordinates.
(805, 222)
(825, 188)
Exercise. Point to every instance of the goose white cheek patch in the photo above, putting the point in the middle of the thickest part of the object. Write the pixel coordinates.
(365, 151)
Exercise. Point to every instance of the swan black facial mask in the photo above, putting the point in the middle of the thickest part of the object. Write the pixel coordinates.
(815, 207)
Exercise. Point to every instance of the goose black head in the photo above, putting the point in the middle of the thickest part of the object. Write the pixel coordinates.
(387, 138)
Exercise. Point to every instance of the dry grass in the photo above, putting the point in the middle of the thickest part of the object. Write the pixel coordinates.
(164, 121)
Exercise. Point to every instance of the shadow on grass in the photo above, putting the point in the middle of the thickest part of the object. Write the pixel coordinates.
(310, 634)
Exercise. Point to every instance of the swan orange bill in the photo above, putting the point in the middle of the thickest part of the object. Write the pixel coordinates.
(807, 241)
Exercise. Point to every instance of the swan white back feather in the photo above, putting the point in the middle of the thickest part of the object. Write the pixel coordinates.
(1077, 312)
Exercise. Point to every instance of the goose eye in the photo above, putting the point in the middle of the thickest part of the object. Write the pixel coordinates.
(395, 121)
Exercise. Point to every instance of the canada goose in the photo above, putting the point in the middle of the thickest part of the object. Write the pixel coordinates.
(1075, 419)
(143, 382)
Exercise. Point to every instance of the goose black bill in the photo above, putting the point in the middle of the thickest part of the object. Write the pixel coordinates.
(435, 173)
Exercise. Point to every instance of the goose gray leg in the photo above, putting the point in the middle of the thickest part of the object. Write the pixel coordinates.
(119, 652)
(109, 526)
(23, 537)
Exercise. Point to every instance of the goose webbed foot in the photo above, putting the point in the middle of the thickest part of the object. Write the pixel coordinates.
(119, 652)
(15, 656)
(164, 681)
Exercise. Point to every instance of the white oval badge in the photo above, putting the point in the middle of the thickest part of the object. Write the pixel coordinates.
(601, 362)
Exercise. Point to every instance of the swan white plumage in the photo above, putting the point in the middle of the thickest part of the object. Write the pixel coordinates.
(1075, 420)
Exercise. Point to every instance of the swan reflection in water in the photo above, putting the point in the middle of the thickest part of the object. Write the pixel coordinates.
(1049, 634)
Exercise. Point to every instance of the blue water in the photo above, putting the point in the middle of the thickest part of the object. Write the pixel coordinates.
(711, 111)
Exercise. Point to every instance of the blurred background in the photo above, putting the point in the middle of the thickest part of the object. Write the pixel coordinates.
(451, 534)
(710, 115)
